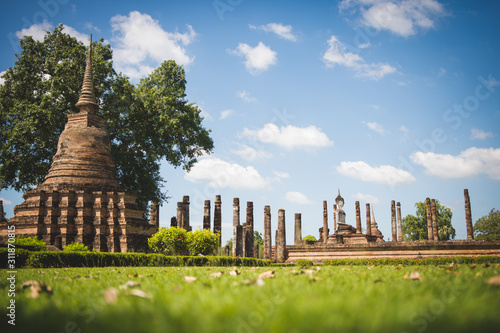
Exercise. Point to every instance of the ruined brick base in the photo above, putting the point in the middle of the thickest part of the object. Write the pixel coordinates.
(409, 250)
(103, 221)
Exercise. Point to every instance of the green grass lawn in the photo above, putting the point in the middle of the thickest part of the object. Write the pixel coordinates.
(333, 299)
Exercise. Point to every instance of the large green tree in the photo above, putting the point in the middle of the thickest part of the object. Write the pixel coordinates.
(415, 227)
(146, 123)
(488, 227)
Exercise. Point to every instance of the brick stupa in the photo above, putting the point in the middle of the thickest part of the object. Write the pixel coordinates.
(81, 199)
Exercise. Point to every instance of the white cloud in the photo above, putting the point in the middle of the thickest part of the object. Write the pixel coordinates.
(258, 59)
(297, 198)
(251, 154)
(337, 54)
(374, 126)
(282, 174)
(441, 72)
(404, 129)
(470, 162)
(290, 137)
(401, 17)
(245, 96)
(384, 174)
(38, 31)
(283, 31)
(365, 45)
(141, 44)
(226, 114)
(84, 38)
(2, 80)
(480, 134)
(90, 26)
(222, 174)
(366, 198)
(6, 202)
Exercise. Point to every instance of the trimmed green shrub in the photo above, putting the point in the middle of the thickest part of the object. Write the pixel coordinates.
(304, 262)
(309, 238)
(202, 241)
(47, 259)
(20, 258)
(33, 243)
(169, 241)
(76, 247)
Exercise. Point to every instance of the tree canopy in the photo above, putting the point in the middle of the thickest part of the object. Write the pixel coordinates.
(415, 227)
(488, 227)
(146, 123)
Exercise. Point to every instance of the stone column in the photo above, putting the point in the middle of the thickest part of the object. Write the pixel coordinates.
(244, 237)
(236, 227)
(368, 221)
(249, 242)
(358, 218)
(275, 254)
(238, 242)
(267, 233)
(400, 225)
(218, 217)
(154, 214)
(430, 235)
(206, 215)
(185, 212)
(468, 216)
(281, 240)
(434, 220)
(393, 221)
(173, 221)
(334, 218)
(325, 222)
(298, 228)
(256, 251)
(1, 211)
(180, 220)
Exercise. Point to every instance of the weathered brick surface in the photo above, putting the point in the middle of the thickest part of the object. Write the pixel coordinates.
(410, 250)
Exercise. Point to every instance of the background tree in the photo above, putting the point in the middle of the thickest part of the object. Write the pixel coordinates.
(309, 238)
(488, 227)
(146, 123)
(257, 238)
(415, 227)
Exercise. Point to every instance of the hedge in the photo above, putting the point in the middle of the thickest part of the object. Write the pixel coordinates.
(46, 259)
(413, 262)
(22, 255)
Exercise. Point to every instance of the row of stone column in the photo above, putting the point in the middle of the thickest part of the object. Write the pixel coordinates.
(243, 235)
(396, 223)
(324, 231)
(182, 218)
(243, 241)
(430, 209)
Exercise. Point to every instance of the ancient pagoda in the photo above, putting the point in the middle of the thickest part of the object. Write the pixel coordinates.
(81, 199)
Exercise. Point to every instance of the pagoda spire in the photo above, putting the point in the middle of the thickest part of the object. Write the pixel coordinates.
(86, 103)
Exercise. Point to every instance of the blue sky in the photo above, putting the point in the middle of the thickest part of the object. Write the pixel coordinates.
(384, 100)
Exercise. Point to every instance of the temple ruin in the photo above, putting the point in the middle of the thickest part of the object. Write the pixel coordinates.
(344, 240)
(81, 199)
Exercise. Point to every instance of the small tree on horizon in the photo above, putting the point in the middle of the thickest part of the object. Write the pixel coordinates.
(415, 227)
(488, 227)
